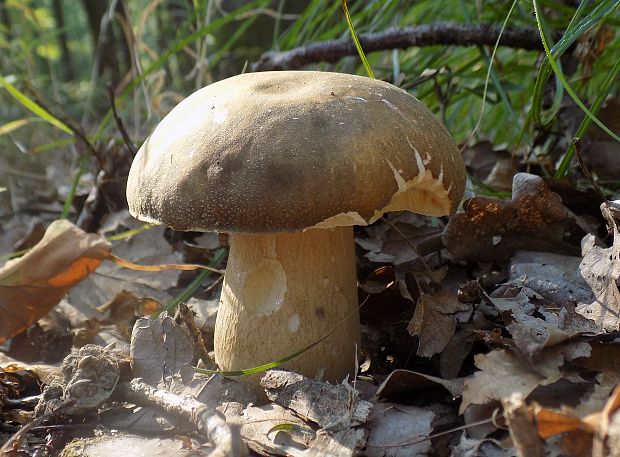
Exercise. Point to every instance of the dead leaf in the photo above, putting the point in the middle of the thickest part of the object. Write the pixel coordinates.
(433, 321)
(456, 351)
(400, 238)
(31, 285)
(147, 248)
(481, 160)
(325, 404)
(401, 382)
(600, 268)
(493, 230)
(256, 423)
(556, 277)
(399, 431)
(591, 45)
(106, 445)
(522, 428)
(469, 447)
(501, 375)
(581, 434)
(161, 349)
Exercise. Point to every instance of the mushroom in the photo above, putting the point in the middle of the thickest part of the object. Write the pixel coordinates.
(287, 163)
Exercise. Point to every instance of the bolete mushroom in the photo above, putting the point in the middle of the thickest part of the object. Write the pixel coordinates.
(287, 163)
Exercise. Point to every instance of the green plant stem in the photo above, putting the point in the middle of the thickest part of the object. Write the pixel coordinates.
(560, 75)
(587, 121)
(358, 46)
(195, 284)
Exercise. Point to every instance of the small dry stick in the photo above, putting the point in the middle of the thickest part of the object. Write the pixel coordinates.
(208, 421)
(440, 33)
(187, 317)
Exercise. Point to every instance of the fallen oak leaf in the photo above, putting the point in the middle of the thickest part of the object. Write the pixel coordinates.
(588, 431)
(503, 373)
(600, 268)
(434, 321)
(493, 230)
(31, 285)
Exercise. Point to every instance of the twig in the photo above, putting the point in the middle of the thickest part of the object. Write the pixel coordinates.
(586, 171)
(187, 317)
(119, 123)
(439, 33)
(207, 420)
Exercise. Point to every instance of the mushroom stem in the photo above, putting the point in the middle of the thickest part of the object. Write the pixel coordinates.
(284, 291)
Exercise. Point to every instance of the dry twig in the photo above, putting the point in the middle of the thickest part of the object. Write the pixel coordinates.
(207, 420)
(440, 33)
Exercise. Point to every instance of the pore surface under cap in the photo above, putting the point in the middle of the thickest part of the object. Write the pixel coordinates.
(284, 151)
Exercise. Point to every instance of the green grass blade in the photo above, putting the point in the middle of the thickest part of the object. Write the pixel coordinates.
(16, 124)
(586, 122)
(560, 75)
(358, 46)
(34, 106)
(195, 284)
(175, 48)
(490, 73)
(66, 209)
(572, 33)
(130, 233)
(277, 363)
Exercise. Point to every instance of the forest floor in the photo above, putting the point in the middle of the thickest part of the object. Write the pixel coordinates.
(490, 333)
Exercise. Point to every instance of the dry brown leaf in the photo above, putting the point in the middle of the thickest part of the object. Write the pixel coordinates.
(147, 248)
(433, 321)
(258, 427)
(399, 431)
(600, 268)
(585, 433)
(556, 277)
(403, 382)
(501, 375)
(523, 432)
(31, 285)
(399, 238)
(493, 230)
(554, 422)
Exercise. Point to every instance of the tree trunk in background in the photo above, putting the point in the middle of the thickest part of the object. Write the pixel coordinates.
(59, 17)
(6, 21)
(110, 44)
(171, 21)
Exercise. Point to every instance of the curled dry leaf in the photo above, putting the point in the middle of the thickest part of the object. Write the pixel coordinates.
(399, 431)
(555, 277)
(325, 404)
(257, 424)
(501, 375)
(31, 285)
(161, 349)
(581, 435)
(404, 382)
(600, 268)
(493, 230)
(434, 322)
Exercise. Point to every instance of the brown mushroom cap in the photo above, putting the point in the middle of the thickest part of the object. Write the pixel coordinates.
(285, 151)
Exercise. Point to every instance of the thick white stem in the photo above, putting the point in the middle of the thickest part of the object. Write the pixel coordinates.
(284, 291)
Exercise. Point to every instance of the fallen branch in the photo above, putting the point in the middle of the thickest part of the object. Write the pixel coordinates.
(440, 33)
(209, 422)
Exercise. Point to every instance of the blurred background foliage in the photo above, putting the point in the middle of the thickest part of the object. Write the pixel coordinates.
(65, 55)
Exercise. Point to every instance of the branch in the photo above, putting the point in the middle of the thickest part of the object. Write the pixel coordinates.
(440, 33)
(209, 422)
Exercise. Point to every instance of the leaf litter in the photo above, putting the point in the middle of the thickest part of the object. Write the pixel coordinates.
(476, 332)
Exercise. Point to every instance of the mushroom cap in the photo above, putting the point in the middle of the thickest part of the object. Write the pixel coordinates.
(291, 150)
